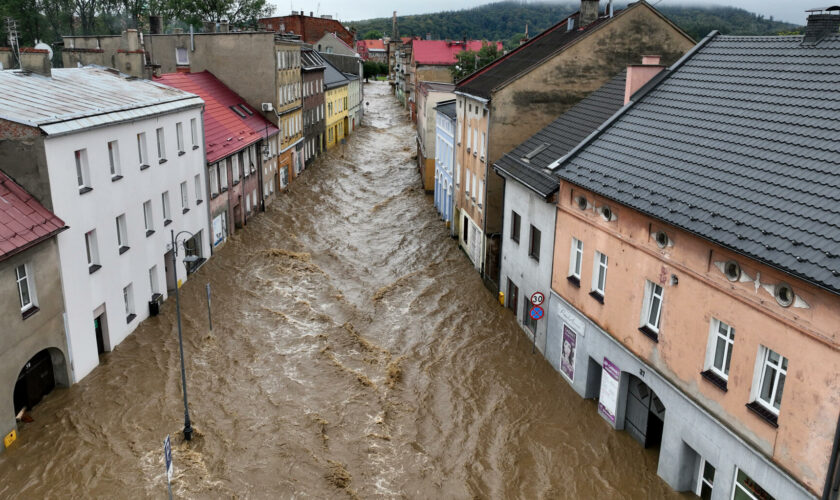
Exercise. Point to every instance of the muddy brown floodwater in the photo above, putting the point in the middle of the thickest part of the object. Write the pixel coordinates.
(355, 353)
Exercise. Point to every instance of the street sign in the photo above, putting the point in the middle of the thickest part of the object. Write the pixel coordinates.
(536, 312)
(167, 456)
(537, 298)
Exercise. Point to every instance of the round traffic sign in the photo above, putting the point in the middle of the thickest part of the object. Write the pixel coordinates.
(537, 298)
(536, 312)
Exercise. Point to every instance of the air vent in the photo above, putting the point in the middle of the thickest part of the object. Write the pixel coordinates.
(534, 152)
(784, 294)
(732, 270)
(662, 239)
(582, 203)
(607, 213)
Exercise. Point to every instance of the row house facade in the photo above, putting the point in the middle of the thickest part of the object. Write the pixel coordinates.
(122, 161)
(309, 28)
(355, 109)
(372, 50)
(696, 276)
(445, 119)
(236, 138)
(289, 105)
(429, 94)
(504, 103)
(34, 357)
(314, 125)
(335, 105)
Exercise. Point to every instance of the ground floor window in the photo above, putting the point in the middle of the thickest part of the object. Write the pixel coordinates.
(747, 489)
(513, 293)
(527, 320)
(705, 480)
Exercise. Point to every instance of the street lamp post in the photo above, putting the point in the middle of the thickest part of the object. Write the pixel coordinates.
(188, 258)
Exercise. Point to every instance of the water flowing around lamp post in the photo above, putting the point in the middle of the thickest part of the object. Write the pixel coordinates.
(187, 259)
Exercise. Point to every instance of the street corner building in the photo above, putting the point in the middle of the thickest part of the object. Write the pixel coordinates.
(696, 274)
(121, 161)
(509, 100)
(241, 153)
(33, 347)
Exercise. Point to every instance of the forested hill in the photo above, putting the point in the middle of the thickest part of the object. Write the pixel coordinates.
(506, 21)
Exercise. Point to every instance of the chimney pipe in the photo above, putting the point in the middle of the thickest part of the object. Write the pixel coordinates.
(639, 74)
(588, 12)
(155, 25)
(224, 26)
(209, 27)
(132, 40)
(820, 25)
(36, 61)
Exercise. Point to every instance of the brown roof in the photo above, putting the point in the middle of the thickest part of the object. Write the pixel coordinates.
(23, 221)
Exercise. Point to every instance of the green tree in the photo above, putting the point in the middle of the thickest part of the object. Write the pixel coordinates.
(469, 61)
(372, 35)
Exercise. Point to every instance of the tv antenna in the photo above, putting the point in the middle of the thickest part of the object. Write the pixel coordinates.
(11, 29)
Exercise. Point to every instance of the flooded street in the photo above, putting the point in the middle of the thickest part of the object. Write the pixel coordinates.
(355, 353)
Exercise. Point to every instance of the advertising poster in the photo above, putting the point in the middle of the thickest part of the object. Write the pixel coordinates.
(608, 400)
(567, 361)
(218, 233)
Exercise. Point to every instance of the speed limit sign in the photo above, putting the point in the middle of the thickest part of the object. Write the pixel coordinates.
(537, 298)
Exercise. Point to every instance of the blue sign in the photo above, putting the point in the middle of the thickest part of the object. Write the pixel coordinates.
(536, 312)
(167, 456)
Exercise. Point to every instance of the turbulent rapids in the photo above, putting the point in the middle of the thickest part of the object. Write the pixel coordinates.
(354, 352)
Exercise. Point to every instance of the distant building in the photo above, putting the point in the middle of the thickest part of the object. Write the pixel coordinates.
(445, 119)
(314, 125)
(122, 161)
(428, 95)
(335, 104)
(33, 347)
(331, 43)
(310, 28)
(372, 50)
(355, 109)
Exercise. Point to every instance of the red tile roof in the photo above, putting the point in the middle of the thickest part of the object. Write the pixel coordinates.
(373, 44)
(23, 221)
(225, 132)
(443, 52)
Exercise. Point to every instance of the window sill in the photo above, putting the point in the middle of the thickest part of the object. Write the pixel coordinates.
(765, 414)
(224, 189)
(149, 232)
(143, 167)
(123, 249)
(93, 268)
(574, 280)
(715, 379)
(85, 190)
(115, 178)
(185, 210)
(652, 335)
(514, 240)
(29, 312)
(597, 296)
(236, 182)
(161, 161)
(195, 147)
(181, 153)
(199, 202)
(130, 318)
(167, 222)
(214, 196)
(536, 258)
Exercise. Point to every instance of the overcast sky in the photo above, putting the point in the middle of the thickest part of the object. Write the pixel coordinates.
(783, 10)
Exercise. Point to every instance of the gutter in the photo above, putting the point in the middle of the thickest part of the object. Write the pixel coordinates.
(33, 243)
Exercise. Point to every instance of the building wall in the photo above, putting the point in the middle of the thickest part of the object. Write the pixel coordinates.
(310, 28)
(330, 44)
(84, 291)
(471, 156)
(23, 338)
(22, 150)
(444, 163)
(335, 102)
(313, 112)
(269, 164)
(696, 291)
(527, 273)
(427, 99)
(432, 73)
(354, 105)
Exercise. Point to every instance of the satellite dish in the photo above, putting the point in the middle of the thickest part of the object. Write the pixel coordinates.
(43, 46)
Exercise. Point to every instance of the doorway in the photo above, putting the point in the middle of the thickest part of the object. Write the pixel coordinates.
(513, 295)
(100, 328)
(36, 380)
(170, 272)
(644, 415)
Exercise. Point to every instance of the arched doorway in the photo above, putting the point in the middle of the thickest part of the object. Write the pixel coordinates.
(37, 378)
(645, 414)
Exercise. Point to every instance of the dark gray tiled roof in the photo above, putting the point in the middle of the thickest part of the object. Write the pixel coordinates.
(332, 76)
(310, 60)
(739, 145)
(561, 136)
(447, 108)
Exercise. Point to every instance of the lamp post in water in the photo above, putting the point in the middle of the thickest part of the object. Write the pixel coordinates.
(187, 259)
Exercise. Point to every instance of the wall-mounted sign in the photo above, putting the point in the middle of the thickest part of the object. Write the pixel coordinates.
(608, 399)
(567, 361)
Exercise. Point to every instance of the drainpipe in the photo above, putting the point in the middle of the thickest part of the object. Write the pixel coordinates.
(207, 186)
(832, 479)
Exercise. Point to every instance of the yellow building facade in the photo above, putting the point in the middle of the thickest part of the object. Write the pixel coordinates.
(336, 119)
(289, 106)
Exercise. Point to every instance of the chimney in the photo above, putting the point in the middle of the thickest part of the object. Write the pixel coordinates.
(639, 74)
(588, 12)
(310, 13)
(821, 23)
(224, 26)
(428, 36)
(155, 25)
(36, 61)
(209, 27)
(132, 40)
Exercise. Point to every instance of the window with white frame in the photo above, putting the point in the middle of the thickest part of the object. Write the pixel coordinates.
(534, 243)
(719, 349)
(576, 259)
(142, 154)
(114, 160)
(771, 372)
(652, 311)
(480, 194)
(223, 177)
(164, 203)
(182, 57)
(467, 184)
(284, 177)
(194, 132)
(185, 198)
(148, 218)
(128, 300)
(153, 280)
(235, 172)
(199, 190)
(599, 273)
(705, 480)
(26, 287)
(248, 204)
(747, 489)
(161, 145)
(214, 181)
(179, 136)
(92, 250)
(122, 234)
(82, 171)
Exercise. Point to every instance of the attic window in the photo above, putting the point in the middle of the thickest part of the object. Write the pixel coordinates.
(732, 270)
(662, 239)
(582, 203)
(784, 294)
(534, 152)
(238, 111)
(245, 108)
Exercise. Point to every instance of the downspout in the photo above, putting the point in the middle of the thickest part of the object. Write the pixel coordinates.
(487, 170)
(832, 479)
(207, 186)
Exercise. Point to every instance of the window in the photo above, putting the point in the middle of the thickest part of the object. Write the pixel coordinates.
(284, 177)
(164, 202)
(153, 281)
(122, 234)
(128, 299)
(480, 194)
(247, 204)
(705, 480)
(194, 132)
(515, 223)
(652, 310)
(114, 160)
(82, 172)
(161, 146)
(772, 379)
(599, 274)
(26, 288)
(182, 57)
(148, 218)
(185, 200)
(235, 170)
(223, 178)
(512, 295)
(529, 322)
(481, 144)
(534, 245)
(214, 181)
(747, 489)
(92, 251)
(142, 155)
(198, 189)
(473, 194)
(719, 351)
(576, 260)
(467, 177)
(179, 136)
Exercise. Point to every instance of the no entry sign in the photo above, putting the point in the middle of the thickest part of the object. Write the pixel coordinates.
(537, 312)
(537, 298)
